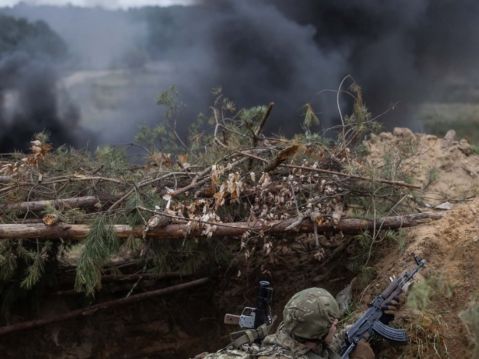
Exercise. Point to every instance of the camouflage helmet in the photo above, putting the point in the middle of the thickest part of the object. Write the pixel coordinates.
(310, 313)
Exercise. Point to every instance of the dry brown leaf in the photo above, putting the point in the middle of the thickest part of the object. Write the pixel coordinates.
(288, 152)
(216, 172)
(267, 248)
(183, 158)
(183, 161)
(265, 180)
(39, 151)
(337, 213)
(50, 219)
(159, 159)
(234, 186)
(220, 196)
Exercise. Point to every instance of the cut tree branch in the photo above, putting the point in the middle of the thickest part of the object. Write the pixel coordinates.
(319, 170)
(108, 278)
(195, 183)
(263, 122)
(236, 229)
(256, 134)
(340, 174)
(34, 206)
(101, 306)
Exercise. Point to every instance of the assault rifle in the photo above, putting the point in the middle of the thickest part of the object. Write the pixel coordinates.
(252, 318)
(370, 321)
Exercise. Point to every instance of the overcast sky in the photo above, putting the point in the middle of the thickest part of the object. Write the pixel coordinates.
(103, 3)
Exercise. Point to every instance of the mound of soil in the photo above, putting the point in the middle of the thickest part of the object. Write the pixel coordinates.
(450, 245)
(446, 168)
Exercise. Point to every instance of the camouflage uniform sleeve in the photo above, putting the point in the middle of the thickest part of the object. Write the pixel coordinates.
(338, 340)
(225, 354)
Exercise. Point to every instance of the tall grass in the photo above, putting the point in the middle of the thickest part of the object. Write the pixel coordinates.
(470, 318)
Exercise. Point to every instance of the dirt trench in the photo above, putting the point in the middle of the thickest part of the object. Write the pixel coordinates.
(449, 172)
(187, 323)
(175, 326)
(168, 327)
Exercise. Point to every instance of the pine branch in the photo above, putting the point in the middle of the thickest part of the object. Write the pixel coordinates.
(100, 244)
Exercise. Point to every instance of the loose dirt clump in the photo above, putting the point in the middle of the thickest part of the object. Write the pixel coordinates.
(445, 167)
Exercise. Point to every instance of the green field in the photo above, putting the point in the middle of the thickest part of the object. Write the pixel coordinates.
(438, 118)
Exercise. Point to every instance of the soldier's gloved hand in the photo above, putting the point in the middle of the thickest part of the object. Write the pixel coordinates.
(200, 356)
(363, 351)
(395, 305)
(328, 339)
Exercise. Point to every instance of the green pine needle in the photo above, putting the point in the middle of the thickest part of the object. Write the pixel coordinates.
(100, 244)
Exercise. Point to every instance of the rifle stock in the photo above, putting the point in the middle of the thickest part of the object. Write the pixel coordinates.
(232, 319)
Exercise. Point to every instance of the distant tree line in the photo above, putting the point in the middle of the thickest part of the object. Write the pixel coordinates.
(37, 37)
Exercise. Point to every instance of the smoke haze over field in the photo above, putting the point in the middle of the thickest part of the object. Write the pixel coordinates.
(109, 4)
(402, 52)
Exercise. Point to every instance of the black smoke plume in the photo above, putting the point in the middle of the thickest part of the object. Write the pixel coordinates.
(403, 53)
(30, 100)
(251, 50)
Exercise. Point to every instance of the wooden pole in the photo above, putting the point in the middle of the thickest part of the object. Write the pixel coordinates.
(34, 206)
(101, 306)
(236, 229)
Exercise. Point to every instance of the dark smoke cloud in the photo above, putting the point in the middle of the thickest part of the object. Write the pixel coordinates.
(255, 53)
(106, 74)
(405, 52)
(399, 51)
(31, 104)
(258, 51)
(30, 101)
(250, 49)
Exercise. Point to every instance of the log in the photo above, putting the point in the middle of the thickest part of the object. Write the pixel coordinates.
(34, 206)
(101, 306)
(136, 276)
(125, 278)
(236, 229)
(140, 285)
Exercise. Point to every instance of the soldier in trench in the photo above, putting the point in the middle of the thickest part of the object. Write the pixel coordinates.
(308, 331)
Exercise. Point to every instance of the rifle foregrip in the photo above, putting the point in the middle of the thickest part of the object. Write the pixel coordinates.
(231, 319)
(349, 350)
